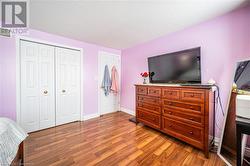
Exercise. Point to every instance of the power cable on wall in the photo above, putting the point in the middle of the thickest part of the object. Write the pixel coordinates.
(218, 104)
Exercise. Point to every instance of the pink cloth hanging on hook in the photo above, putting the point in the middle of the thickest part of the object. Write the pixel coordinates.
(114, 80)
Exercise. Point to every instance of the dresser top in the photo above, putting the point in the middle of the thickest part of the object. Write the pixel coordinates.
(198, 86)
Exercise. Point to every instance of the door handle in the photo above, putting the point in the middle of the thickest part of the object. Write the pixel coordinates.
(45, 92)
(63, 91)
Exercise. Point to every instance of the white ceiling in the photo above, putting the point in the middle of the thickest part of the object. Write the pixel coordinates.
(121, 24)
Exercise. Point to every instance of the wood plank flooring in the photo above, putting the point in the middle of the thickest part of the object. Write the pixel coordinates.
(110, 140)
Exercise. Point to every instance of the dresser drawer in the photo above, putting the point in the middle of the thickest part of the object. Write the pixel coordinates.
(149, 107)
(142, 90)
(193, 95)
(197, 120)
(150, 100)
(181, 130)
(155, 92)
(171, 93)
(185, 107)
(149, 118)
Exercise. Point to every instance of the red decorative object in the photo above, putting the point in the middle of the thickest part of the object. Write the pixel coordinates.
(145, 74)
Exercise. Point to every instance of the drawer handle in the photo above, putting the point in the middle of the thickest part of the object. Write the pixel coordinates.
(191, 132)
(191, 107)
(191, 118)
(170, 112)
(170, 93)
(192, 95)
(170, 125)
(170, 103)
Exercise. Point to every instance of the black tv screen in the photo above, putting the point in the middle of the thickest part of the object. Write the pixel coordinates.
(176, 67)
(242, 76)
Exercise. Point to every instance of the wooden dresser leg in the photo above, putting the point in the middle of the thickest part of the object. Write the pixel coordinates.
(206, 150)
(206, 153)
(21, 154)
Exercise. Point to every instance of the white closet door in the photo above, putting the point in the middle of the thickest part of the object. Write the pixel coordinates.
(110, 103)
(47, 86)
(37, 86)
(67, 85)
(29, 86)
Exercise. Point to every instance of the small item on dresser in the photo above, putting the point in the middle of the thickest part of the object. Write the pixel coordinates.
(144, 76)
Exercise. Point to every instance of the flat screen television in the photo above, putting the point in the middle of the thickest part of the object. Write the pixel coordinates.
(177, 67)
(242, 76)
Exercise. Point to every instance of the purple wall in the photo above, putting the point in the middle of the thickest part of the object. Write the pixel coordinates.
(223, 41)
(8, 77)
(1, 96)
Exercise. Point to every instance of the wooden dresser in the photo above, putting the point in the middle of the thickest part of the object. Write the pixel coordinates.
(184, 112)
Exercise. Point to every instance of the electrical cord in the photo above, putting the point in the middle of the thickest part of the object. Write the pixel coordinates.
(218, 103)
(214, 149)
(216, 120)
(218, 100)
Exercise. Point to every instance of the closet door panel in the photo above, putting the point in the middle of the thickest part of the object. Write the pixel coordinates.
(29, 86)
(37, 86)
(67, 85)
(47, 86)
(74, 84)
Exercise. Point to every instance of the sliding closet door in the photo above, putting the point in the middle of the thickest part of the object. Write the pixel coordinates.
(29, 86)
(67, 85)
(37, 86)
(47, 86)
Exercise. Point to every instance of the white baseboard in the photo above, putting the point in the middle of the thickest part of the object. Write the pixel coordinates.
(128, 111)
(91, 116)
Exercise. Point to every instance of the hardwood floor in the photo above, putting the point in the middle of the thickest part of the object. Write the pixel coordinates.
(110, 140)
